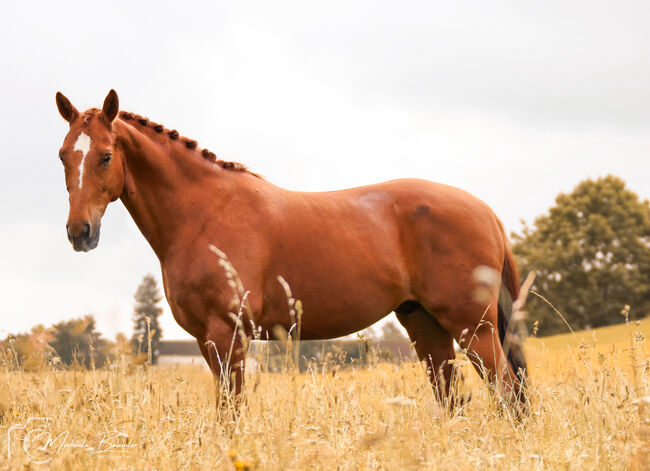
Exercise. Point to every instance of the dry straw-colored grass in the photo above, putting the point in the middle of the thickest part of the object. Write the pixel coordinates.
(590, 409)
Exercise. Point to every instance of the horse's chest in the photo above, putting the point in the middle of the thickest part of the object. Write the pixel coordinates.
(183, 311)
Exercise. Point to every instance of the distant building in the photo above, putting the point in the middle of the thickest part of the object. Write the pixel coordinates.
(180, 352)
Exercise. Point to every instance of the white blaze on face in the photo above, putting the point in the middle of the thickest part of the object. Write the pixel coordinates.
(82, 144)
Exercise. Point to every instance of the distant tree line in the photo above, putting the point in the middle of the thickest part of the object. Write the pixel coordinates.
(77, 343)
(385, 343)
(74, 342)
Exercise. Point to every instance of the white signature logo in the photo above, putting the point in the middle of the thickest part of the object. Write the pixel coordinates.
(40, 443)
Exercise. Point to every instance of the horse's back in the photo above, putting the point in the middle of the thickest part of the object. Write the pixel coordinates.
(402, 217)
(411, 203)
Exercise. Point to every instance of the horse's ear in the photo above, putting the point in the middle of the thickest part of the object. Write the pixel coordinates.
(66, 109)
(111, 106)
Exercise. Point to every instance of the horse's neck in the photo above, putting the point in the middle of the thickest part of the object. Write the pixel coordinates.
(161, 188)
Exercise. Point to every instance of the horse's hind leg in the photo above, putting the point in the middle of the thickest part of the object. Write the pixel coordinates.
(479, 335)
(433, 344)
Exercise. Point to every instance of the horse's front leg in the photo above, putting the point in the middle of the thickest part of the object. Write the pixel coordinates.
(222, 348)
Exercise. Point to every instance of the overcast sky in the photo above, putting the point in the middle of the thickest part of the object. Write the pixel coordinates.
(513, 102)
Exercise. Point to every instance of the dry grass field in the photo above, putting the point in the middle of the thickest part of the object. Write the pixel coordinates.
(590, 409)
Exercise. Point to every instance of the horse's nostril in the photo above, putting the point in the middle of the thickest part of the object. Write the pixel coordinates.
(79, 231)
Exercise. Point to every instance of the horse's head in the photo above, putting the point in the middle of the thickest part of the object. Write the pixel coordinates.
(94, 170)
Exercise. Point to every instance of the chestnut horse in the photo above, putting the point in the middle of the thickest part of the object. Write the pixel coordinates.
(352, 256)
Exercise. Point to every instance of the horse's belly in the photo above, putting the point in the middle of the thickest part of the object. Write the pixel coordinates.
(314, 328)
(335, 307)
(316, 324)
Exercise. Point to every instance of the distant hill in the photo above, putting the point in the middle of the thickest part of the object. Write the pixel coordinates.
(617, 335)
(554, 353)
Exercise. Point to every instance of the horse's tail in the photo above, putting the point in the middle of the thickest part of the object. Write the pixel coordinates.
(509, 274)
(509, 293)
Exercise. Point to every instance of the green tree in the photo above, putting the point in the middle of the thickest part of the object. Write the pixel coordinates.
(77, 342)
(146, 310)
(391, 331)
(591, 253)
(30, 352)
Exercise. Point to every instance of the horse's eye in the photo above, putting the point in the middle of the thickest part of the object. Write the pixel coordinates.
(107, 157)
(61, 157)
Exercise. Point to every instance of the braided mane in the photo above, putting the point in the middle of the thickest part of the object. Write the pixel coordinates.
(173, 134)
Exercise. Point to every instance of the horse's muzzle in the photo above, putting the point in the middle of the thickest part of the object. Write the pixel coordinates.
(83, 236)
